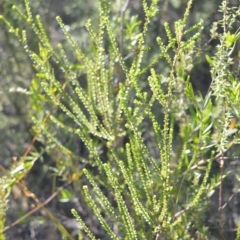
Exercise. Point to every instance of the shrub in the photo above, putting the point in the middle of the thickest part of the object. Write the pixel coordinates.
(148, 140)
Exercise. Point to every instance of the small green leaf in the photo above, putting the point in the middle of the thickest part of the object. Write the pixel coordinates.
(189, 89)
(65, 195)
(208, 128)
(209, 60)
(17, 169)
(230, 39)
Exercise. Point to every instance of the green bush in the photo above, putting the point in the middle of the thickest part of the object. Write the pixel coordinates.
(149, 142)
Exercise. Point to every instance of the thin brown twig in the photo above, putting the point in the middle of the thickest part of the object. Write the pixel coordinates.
(220, 159)
(40, 205)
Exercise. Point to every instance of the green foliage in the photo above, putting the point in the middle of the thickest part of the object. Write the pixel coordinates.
(142, 189)
(3, 205)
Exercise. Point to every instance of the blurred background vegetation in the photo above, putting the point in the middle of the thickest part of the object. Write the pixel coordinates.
(17, 73)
